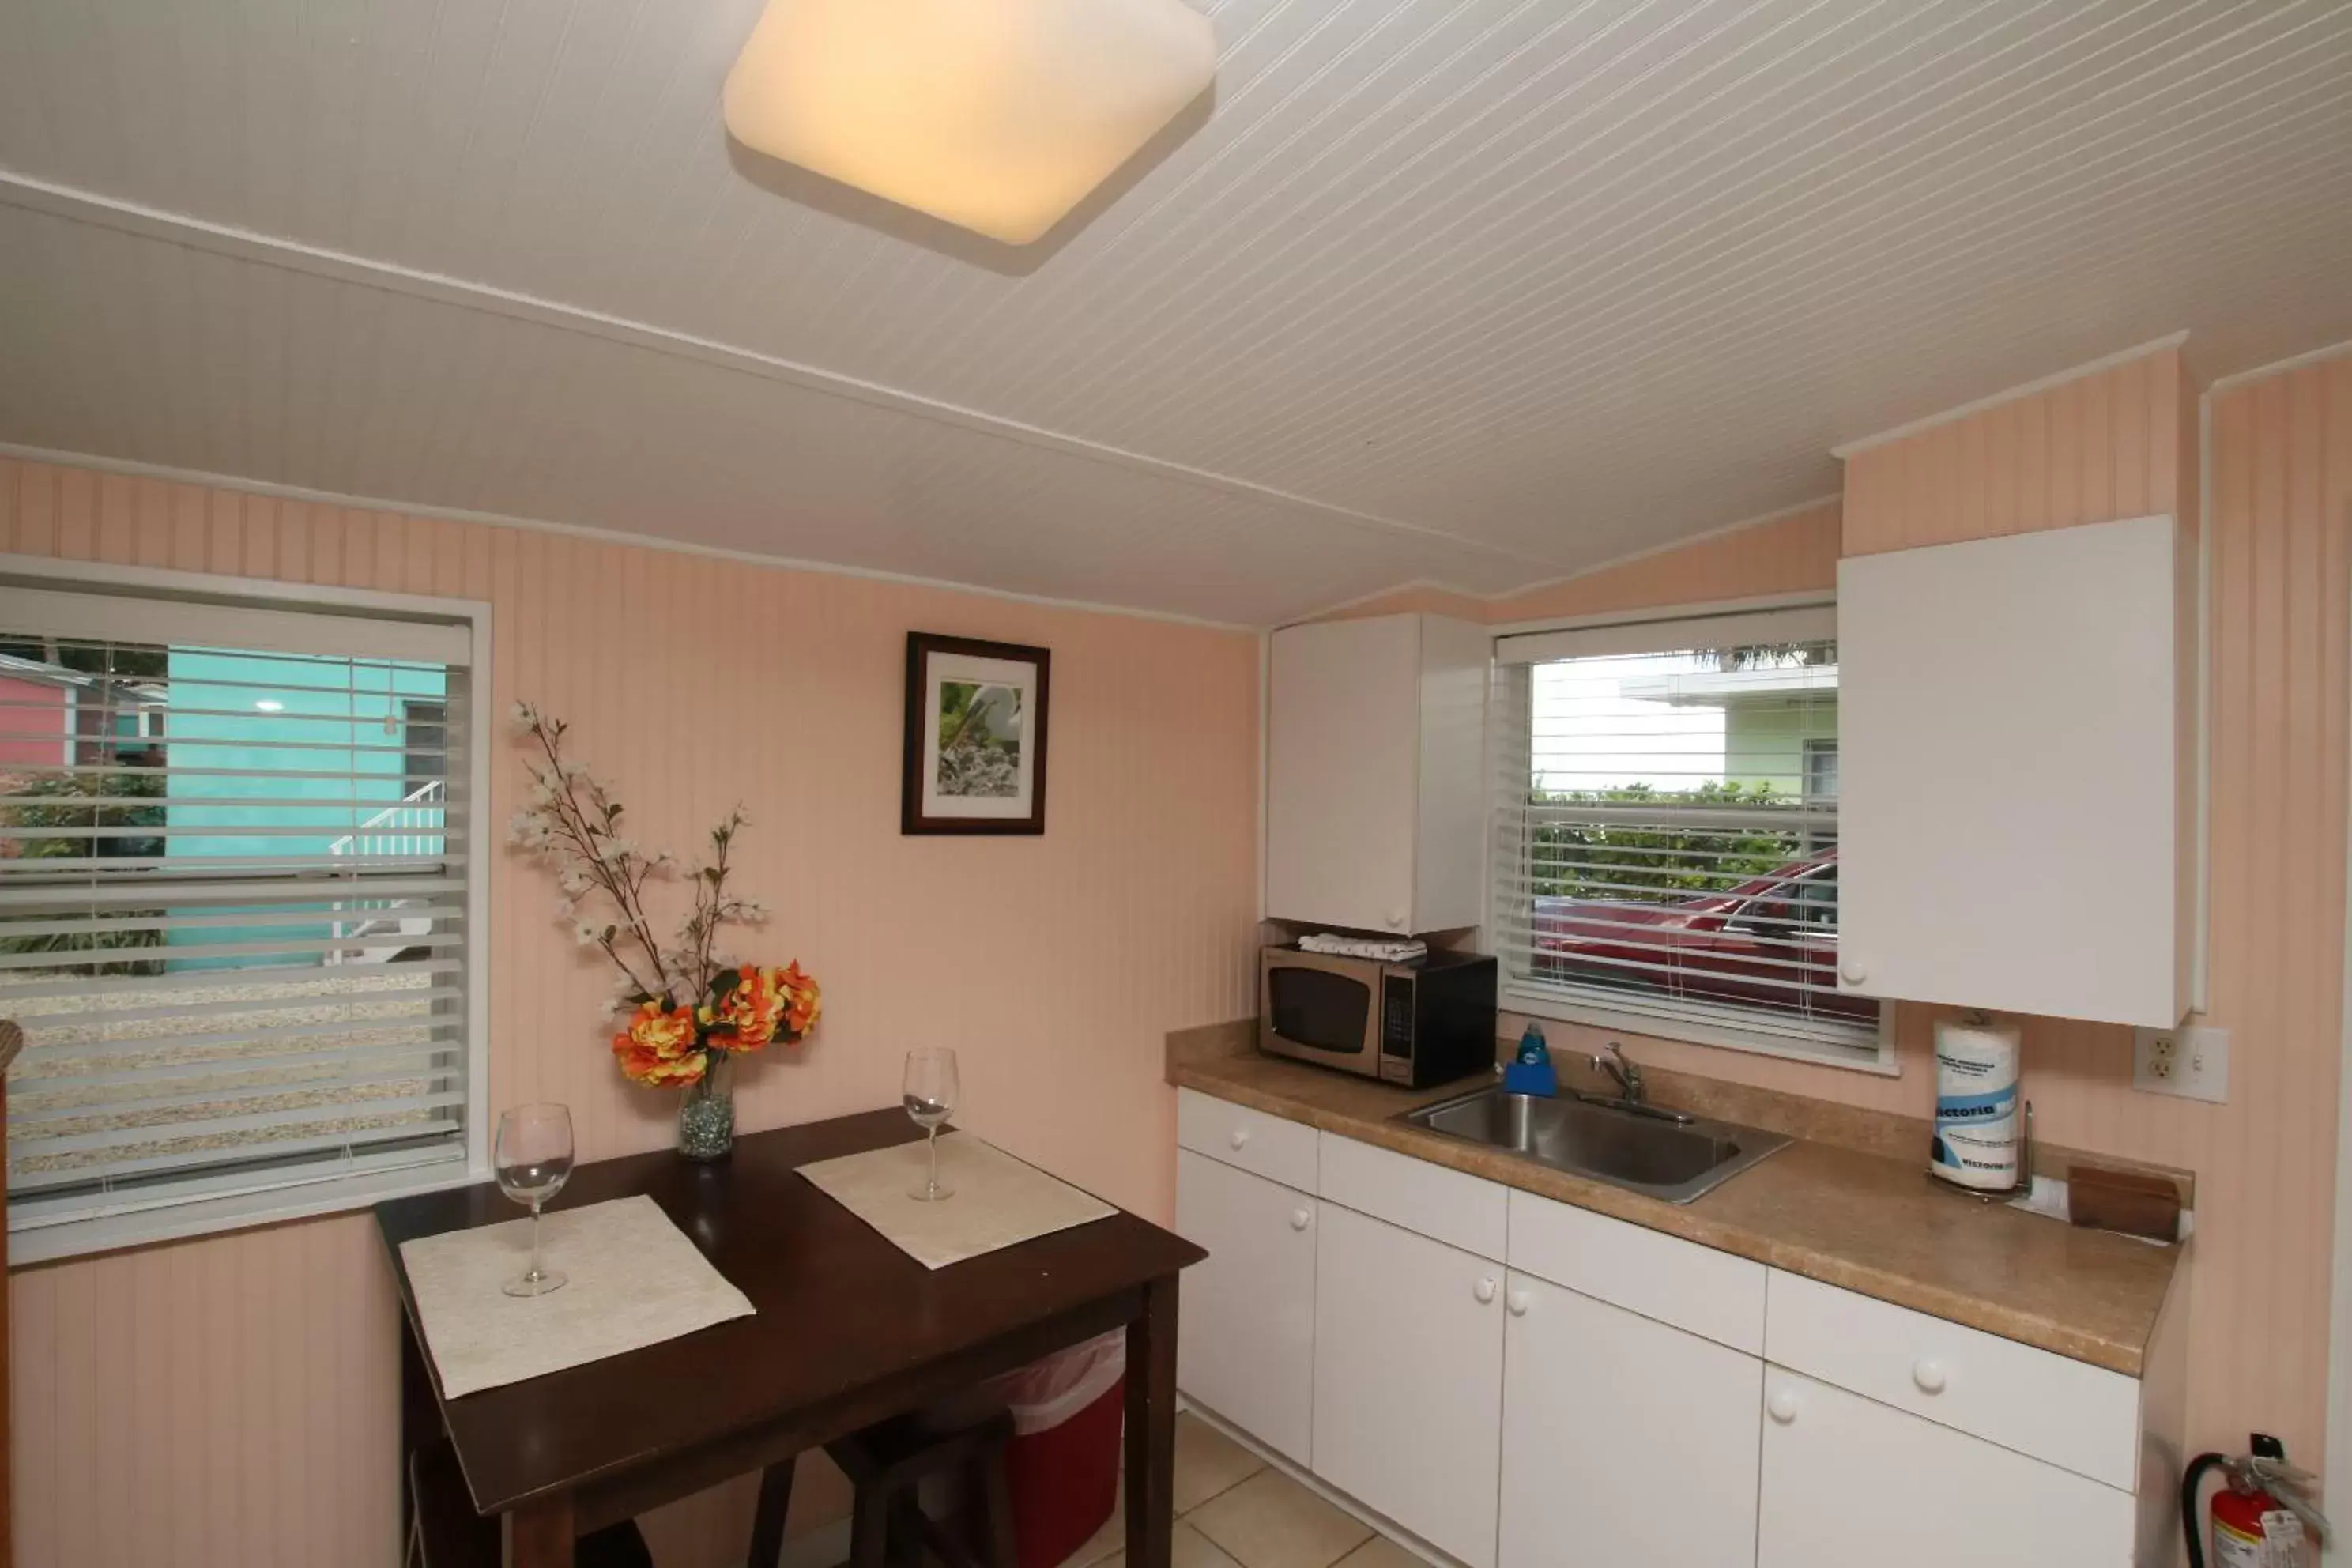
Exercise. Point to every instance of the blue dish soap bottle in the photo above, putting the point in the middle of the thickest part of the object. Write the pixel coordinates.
(1531, 1071)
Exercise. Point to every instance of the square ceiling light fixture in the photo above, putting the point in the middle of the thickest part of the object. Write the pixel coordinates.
(997, 115)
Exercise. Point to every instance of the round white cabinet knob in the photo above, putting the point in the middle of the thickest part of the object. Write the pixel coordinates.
(1928, 1373)
(1240, 1136)
(1782, 1404)
(1485, 1291)
(1396, 919)
(1298, 1219)
(1518, 1301)
(1851, 975)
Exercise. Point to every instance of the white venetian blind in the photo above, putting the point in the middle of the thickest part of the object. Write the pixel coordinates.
(1666, 828)
(234, 861)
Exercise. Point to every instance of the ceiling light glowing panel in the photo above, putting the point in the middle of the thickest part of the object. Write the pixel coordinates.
(997, 115)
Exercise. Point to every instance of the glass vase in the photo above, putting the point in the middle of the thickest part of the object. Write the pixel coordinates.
(706, 1110)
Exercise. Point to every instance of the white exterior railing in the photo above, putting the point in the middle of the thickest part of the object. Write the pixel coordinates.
(410, 829)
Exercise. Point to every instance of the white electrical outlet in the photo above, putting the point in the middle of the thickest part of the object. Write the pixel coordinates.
(2191, 1061)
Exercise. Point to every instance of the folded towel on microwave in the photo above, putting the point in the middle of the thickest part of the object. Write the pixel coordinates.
(1387, 949)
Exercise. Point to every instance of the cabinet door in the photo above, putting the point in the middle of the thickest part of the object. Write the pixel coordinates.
(1343, 733)
(1623, 1440)
(1245, 1324)
(1849, 1483)
(2009, 741)
(1409, 1379)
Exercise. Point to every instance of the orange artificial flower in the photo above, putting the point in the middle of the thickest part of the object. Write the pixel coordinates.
(763, 1005)
(804, 1003)
(745, 1018)
(660, 1046)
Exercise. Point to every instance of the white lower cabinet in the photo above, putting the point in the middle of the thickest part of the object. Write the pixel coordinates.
(1623, 1440)
(1616, 1395)
(1409, 1379)
(1245, 1319)
(1852, 1483)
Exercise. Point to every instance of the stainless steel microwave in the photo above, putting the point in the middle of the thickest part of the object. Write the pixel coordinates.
(1426, 1022)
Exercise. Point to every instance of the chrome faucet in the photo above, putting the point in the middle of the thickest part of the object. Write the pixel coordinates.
(1628, 1075)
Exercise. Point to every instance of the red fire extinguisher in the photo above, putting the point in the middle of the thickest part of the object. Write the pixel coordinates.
(2263, 1517)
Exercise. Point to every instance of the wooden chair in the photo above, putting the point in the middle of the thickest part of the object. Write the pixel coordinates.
(444, 1530)
(886, 1463)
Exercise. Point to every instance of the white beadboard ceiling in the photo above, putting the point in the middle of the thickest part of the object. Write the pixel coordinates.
(1472, 291)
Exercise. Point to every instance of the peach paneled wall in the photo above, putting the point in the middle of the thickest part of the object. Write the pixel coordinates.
(2122, 443)
(2119, 443)
(231, 1400)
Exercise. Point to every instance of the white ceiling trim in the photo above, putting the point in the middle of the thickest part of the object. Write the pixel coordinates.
(168, 475)
(1435, 585)
(154, 223)
(1777, 515)
(2280, 367)
(1411, 585)
(2024, 389)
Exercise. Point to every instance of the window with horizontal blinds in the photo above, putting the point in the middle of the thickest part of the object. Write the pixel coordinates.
(1666, 826)
(234, 900)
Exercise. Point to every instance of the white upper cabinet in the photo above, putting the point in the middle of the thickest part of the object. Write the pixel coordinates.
(1375, 773)
(2014, 744)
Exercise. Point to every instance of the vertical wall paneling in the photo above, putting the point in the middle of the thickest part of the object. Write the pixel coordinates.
(2276, 620)
(2124, 443)
(231, 1401)
(1123, 958)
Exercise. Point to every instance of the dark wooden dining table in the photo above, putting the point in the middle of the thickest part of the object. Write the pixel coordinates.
(846, 1330)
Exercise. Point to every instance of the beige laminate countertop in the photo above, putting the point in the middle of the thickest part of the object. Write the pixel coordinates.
(1869, 1224)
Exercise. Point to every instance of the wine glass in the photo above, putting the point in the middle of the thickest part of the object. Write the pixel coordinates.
(534, 1155)
(929, 1095)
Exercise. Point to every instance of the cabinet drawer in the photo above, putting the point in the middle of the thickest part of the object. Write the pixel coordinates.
(1680, 1283)
(1434, 1201)
(1277, 1150)
(2083, 1417)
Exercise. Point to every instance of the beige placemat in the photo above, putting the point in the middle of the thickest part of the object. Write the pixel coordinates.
(633, 1279)
(998, 1201)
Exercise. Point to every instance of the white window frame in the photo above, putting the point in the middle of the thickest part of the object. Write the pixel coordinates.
(1680, 1023)
(235, 1209)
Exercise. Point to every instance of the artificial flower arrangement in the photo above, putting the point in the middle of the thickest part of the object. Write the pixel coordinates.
(689, 1007)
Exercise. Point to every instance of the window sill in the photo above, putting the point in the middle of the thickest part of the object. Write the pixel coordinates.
(82, 1236)
(1695, 1029)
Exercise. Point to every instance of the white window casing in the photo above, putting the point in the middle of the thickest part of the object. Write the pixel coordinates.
(242, 917)
(1664, 824)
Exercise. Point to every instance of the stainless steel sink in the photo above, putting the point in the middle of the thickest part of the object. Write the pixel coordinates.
(1643, 1148)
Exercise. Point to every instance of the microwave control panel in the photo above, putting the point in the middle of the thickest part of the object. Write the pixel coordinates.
(1396, 1028)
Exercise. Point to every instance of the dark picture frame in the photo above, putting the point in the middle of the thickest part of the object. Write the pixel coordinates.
(974, 756)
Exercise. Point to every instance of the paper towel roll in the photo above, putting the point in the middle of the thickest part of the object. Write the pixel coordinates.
(1976, 1105)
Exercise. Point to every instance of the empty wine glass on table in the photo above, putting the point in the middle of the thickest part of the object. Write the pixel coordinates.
(931, 1099)
(533, 1156)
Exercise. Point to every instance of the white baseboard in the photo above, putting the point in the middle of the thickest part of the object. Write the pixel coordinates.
(1324, 1490)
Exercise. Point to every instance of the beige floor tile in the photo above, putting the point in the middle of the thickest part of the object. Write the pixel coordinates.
(1188, 1548)
(1272, 1521)
(1380, 1552)
(1208, 1462)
